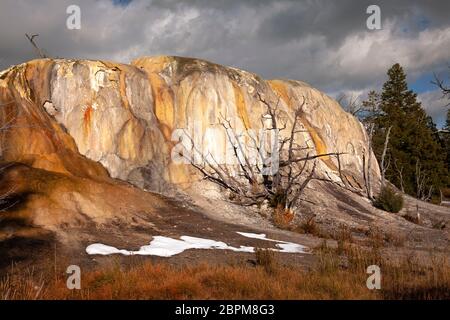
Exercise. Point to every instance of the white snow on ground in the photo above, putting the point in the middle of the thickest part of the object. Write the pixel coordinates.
(102, 249)
(167, 247)
(284, 245)
(260, 236)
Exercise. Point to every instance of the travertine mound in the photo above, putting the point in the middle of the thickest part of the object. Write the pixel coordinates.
(123, 116)
(98, 120)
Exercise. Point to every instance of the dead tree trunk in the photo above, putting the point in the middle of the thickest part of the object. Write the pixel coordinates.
(368, 159)
(400, 175)
(423, 191)
(284, 183)
(38, 50)
(383, 156)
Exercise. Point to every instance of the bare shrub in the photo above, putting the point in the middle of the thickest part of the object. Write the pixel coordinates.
(267, 259)
(309, 226)
(282, 218)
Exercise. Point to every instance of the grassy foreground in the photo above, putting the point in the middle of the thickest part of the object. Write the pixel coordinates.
(340, 273)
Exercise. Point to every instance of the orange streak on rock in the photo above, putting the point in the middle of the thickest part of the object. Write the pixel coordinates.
(87, 118)
(123, 90)
(240, 104)
(163, 101)
(35, 139)
(164, 109)
(162, 94)
(280, 88)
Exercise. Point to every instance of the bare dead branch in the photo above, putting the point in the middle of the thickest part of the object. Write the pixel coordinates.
(351, 104)
(38, 50)
(383, 156)
(442, 86)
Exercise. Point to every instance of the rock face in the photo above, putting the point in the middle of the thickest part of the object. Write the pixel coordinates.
(96, 120)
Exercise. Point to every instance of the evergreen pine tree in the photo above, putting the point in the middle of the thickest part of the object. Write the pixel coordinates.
(371, 108)
(414, 155)
(446, 139)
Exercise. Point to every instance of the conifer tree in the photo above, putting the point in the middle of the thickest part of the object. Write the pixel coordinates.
(416, 160)
(446, 139)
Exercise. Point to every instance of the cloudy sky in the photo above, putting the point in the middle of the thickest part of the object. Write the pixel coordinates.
(325, 43)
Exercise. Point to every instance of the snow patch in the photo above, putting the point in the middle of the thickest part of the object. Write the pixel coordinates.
(102, 249)
(166, 247)
(260, 236)
(285, 246)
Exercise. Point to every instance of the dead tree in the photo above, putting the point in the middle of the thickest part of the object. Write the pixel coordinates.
(38, 50)
(442, 86)
(399, 170)
(351, 104)
(384, 166)
(279, 176)
(367, 159)
(424, 191)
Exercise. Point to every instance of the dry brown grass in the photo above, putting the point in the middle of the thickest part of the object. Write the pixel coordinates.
(343, 236)
(375, 238)
(267, 259)
(308, 226)
(411, 218)
(162, 281)
(403, 276)
(27, 286)
(282, 218)
(396, 239)
(338, 274)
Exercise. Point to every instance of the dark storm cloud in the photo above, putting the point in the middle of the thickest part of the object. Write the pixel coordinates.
(325, 43)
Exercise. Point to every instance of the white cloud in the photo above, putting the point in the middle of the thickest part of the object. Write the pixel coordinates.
(366, 56)
(435, 105)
